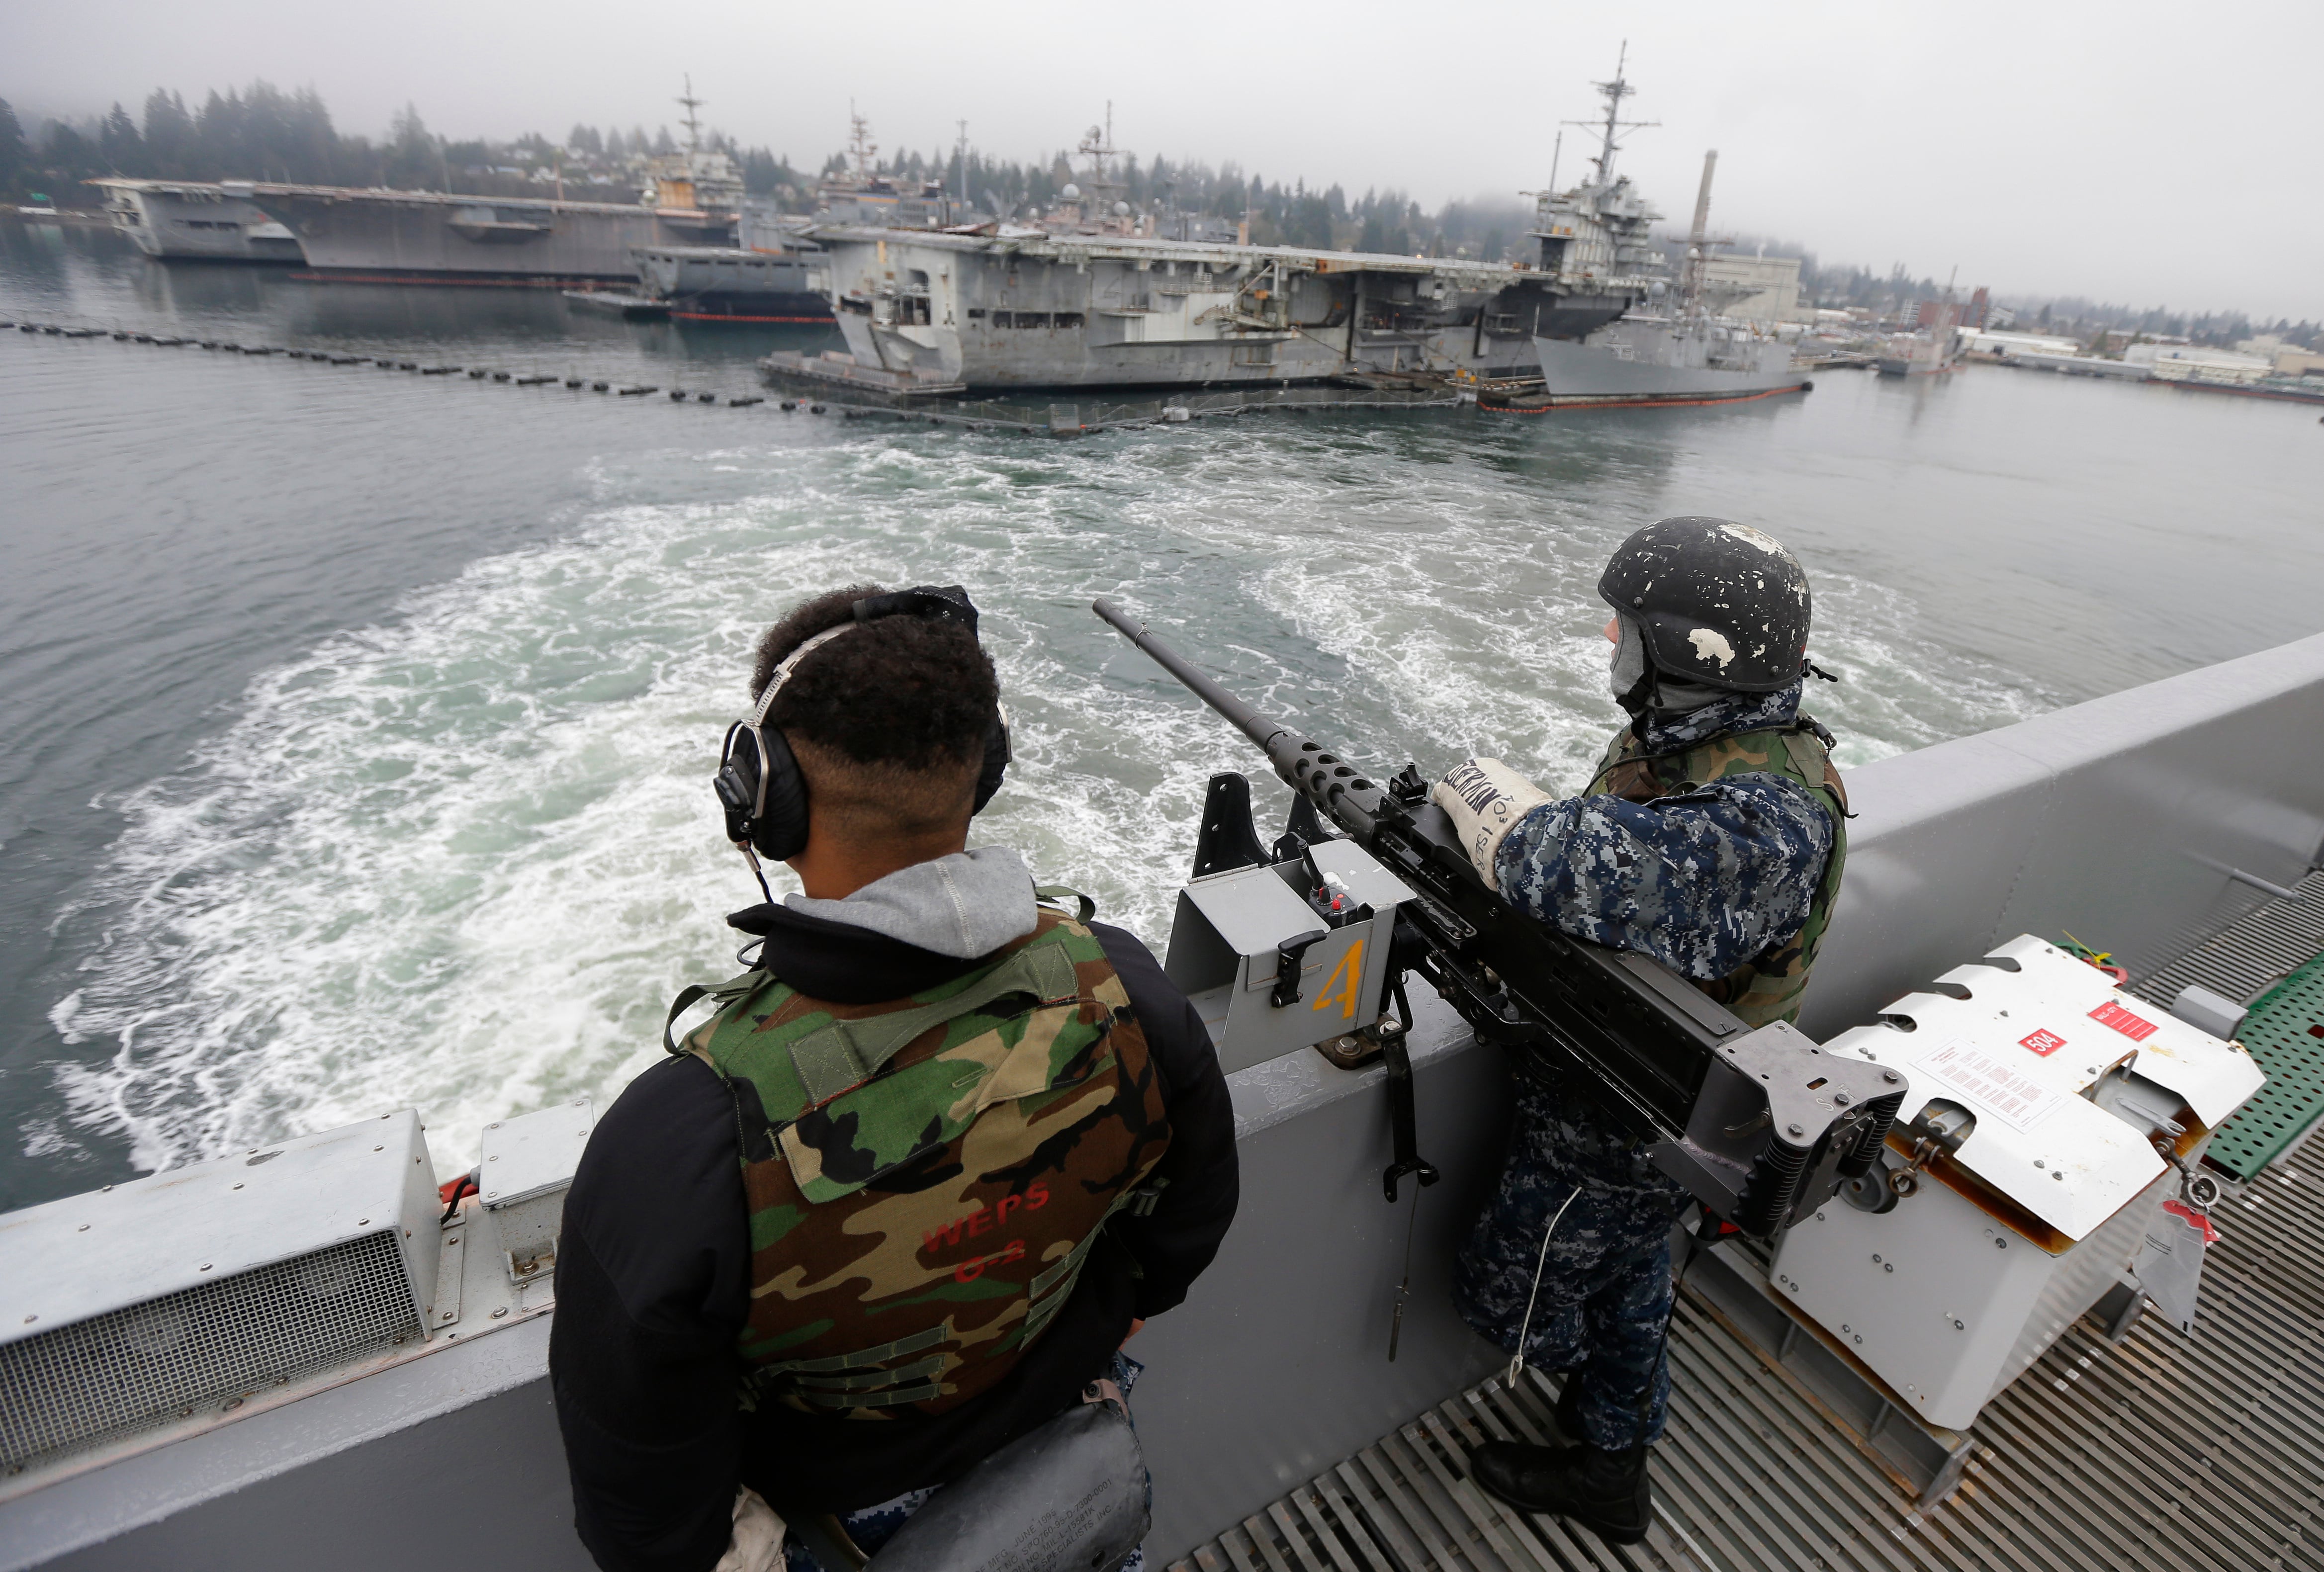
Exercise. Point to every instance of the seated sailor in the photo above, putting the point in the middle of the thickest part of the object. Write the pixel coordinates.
(937, 1155)
(1712, 838)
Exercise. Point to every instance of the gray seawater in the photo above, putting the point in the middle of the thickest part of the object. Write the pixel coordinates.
(357, 726)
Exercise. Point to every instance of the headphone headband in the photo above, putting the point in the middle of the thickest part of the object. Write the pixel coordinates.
(782, 674)
(948, 603)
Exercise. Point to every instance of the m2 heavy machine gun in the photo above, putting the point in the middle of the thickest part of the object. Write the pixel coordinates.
(1760, 1125)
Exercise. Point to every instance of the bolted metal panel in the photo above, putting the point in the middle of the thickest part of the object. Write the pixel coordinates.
(201, 1348)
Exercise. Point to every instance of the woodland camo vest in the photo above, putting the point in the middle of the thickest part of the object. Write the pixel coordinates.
(1769, 986)
(925, 1177)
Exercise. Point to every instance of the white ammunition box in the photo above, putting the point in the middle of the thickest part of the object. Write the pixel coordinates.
(2014, 1229)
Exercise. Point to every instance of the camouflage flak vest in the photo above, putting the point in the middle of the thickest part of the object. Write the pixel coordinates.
(1768, 987)
(925, 1177)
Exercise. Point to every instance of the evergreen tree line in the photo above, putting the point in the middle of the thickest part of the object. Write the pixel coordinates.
(262, 132)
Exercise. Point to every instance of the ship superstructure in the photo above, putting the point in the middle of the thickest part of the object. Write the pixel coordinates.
(1679, 351)
(1599, 232)
(699, 189)
(1933, 346)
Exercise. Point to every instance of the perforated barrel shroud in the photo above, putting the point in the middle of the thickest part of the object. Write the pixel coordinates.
(172, 1358)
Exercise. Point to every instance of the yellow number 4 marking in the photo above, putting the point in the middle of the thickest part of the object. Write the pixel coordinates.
(1346, 978)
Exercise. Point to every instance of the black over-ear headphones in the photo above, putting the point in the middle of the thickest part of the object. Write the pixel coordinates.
(758, 781)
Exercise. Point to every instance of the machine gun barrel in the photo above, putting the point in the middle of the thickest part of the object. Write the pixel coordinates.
(1337, 788)
(1759, 1125)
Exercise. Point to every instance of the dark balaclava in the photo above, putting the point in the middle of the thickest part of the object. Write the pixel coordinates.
(1639, 688)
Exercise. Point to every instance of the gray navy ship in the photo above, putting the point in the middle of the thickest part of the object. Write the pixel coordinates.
(1686, 355)
(375, 235)
(1092, 294)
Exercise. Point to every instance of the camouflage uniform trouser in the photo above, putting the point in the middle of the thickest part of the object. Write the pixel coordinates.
(1605, 1297)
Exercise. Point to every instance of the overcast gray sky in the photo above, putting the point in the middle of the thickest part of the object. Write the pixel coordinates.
(2137, 150)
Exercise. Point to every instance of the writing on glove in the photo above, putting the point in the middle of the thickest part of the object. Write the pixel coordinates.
(1485, 798)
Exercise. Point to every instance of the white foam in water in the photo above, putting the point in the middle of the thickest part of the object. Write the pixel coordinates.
(461, 860)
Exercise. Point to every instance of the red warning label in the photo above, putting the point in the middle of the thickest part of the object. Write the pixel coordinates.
(2044, 1042)
(2137, 1028)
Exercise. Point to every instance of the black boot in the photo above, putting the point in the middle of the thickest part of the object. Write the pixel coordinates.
(1605, 1491)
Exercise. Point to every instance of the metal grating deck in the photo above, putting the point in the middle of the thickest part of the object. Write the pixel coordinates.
(2253, 954)
(2270, 960)
(2163, 1453)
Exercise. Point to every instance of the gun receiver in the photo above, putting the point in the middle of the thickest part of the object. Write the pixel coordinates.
(1761, 1127)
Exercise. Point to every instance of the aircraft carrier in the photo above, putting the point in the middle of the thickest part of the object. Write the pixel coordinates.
(1089, 294)
(693, 198)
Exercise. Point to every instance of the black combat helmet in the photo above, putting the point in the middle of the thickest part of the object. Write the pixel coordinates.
(1718, 603)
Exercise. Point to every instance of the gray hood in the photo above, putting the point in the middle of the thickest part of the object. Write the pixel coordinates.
(965, 906)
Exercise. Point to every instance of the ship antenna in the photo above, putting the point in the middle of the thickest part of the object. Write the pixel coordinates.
(860, 144)
(1614, 126)
(693, 123)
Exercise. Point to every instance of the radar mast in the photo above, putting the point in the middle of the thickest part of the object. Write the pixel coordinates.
(1610, 131)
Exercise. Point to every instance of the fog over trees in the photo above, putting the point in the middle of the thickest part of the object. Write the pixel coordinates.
(264, 133)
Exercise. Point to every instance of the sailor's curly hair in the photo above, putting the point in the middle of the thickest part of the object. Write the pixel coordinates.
(912, 692)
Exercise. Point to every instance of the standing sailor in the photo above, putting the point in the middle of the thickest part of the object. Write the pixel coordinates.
(902, 1199)
(1711, 839)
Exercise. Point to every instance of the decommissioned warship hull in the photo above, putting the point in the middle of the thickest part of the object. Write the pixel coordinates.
(702, 283)
(1642, 364)
(181, 221)
(1011, 310)
(427, 237)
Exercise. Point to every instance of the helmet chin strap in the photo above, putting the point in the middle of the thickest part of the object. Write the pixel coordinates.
(1639, 697)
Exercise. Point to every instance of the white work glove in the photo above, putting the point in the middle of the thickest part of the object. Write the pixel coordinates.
(758, 1542)
(1486, 798)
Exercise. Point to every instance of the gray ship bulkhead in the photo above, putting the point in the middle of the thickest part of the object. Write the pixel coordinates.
(2111, 818)
(410, 237)
(730, 283)
(1648, 362)
(1043, 310)
(195, 221)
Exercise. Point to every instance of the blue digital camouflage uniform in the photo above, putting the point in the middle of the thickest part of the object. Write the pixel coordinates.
(1703, 882)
